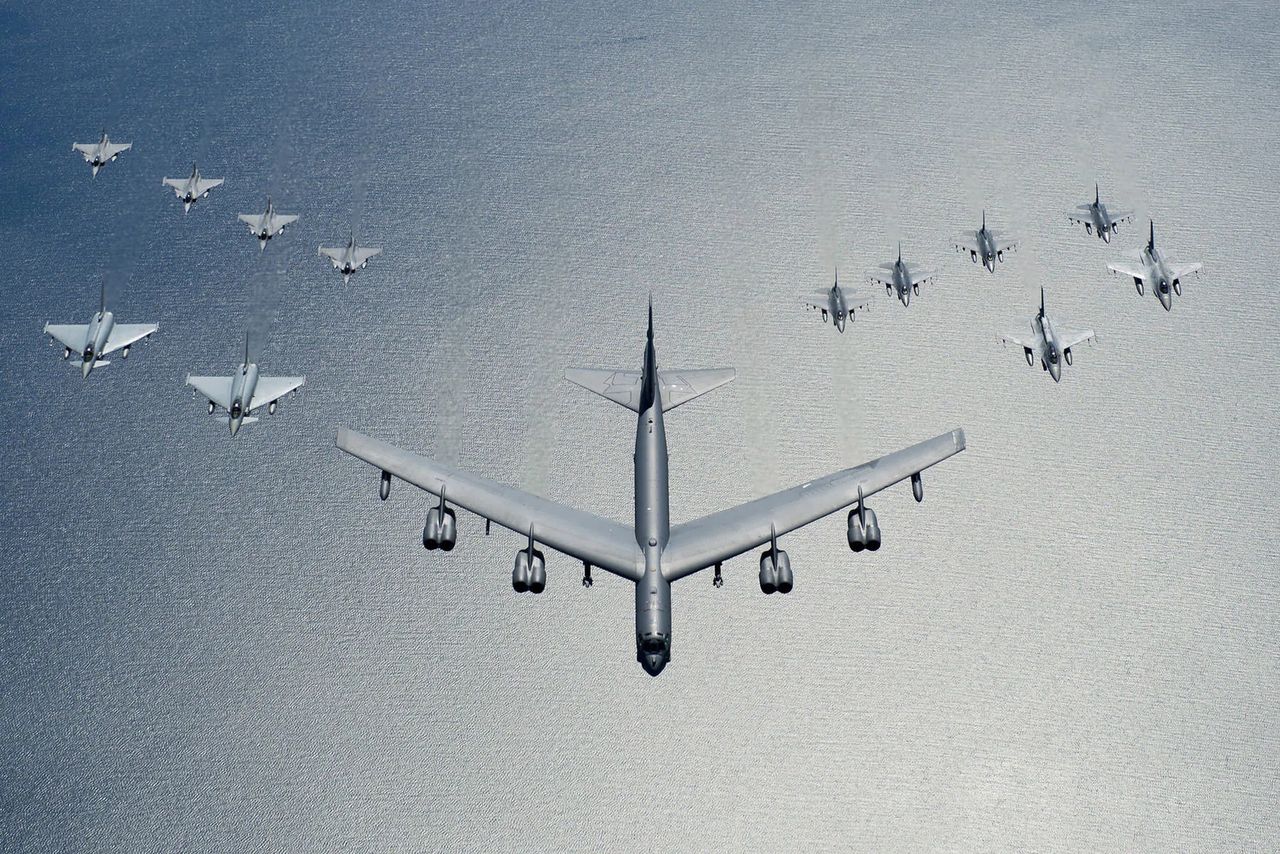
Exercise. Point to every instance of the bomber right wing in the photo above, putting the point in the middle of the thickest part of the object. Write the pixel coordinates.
(714, 539)
(599, 542)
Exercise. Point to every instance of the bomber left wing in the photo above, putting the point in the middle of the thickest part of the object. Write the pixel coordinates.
(599, 542)
(714, 539)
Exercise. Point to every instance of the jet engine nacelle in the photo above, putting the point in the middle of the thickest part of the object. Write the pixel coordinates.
(529, 575)
(864, 537)
(768, 573)
(786, 578)
(441, 529)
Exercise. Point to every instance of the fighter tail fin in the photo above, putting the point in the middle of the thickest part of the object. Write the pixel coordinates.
(1042, 301)
(1151, 241)
(1097, 195)
(102, 299)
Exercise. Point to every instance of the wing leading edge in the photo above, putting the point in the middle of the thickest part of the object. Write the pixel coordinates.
(589, 538)
(716, 538)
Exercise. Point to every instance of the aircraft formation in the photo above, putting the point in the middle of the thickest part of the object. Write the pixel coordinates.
(652, 553)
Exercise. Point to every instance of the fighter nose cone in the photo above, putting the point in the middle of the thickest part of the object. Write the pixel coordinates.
(653, 662)
(840, 324)
(235, 425)
(86, 367)
(1055, 371)
(1166, 300)
(1106, 236)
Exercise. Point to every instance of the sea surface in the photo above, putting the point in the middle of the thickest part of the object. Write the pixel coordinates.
(217, 644)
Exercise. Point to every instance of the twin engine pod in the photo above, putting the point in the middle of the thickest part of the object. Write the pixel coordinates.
(864, 536)
(441, 530)
(530, 573)
(775, 572)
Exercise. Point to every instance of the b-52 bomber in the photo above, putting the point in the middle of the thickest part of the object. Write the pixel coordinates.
(901, 278)
(244, 393)
(267, 224)
(192, 188)
(1098, 219)
(100, 153)
(986, 246)
(1048, 344)
(837, 303)
(1153, 268)
(651, 552)
(100, 337)
(347, 259)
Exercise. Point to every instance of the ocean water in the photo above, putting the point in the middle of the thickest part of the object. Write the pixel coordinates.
(210, 644)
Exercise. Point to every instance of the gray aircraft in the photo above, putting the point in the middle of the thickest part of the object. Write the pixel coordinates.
(192, 188)
(986, 246)
(100, 337)
(267, 224)
(1098, 219)
(1154, 269)
(901, 278)
(651, 553)
(244, 393)
(347, 259)
(837, 303)
(1048, 344)
(100, 153)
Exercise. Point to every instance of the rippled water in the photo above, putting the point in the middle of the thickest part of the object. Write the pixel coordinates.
(210, 644)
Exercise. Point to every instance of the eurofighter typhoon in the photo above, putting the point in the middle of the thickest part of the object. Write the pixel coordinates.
(101, 336)
(651, 553)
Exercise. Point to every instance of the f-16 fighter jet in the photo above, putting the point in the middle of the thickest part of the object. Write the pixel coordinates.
(347, 259)
(100, 153)
(986, 246)
(244, 393)
(192, 188)
(1098, 219)
(1154, 269)
(1048, 344)
(837, 303)
(650, 552)
(99, 337)
(901, 278)
(267, 224)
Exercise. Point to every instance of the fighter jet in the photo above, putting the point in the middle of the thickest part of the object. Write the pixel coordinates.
(347, 259)
(837, 303)
(1051, 346)
(1154, 269)
(99, 337)
(244, 393)
(986, 246)
(901, 278)
(100, 153)
(651, 552)
(1097, 219)
(192, 188)
(268, 224)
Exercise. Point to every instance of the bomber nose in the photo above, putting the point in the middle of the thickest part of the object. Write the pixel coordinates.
(653, 662)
